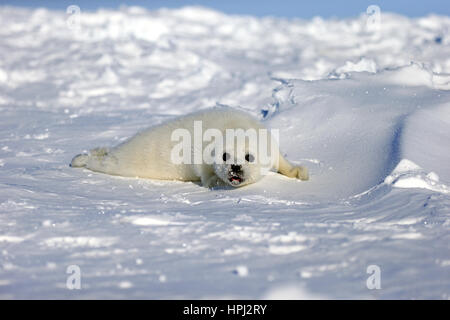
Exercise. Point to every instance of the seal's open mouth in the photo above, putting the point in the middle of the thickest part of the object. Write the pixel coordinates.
(235, 179)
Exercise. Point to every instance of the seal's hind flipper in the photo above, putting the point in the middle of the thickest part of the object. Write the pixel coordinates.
(79, 161)
(96, 155)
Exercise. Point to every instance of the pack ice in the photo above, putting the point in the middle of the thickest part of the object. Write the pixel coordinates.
(367, 111)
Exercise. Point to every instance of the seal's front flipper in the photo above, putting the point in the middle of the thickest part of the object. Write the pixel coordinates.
(285, 168)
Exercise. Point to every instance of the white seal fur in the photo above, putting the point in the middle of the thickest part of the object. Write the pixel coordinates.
(148, 153)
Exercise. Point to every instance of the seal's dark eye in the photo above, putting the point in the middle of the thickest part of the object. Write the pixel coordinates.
(249, 157)
(225, 156)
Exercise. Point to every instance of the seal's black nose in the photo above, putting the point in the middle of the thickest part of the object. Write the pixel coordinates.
(236, 167)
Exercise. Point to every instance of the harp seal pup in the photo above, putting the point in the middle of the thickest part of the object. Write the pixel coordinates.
(150, 153)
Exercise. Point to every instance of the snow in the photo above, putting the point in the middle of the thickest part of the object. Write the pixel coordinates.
(241, 271)
(368, 111)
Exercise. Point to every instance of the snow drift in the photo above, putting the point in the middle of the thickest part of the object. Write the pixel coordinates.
(355, 131)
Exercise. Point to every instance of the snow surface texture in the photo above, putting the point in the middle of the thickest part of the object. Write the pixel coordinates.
(368, 113)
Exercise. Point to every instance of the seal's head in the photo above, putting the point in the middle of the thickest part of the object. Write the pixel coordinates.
(245, 157)
(238, 168)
